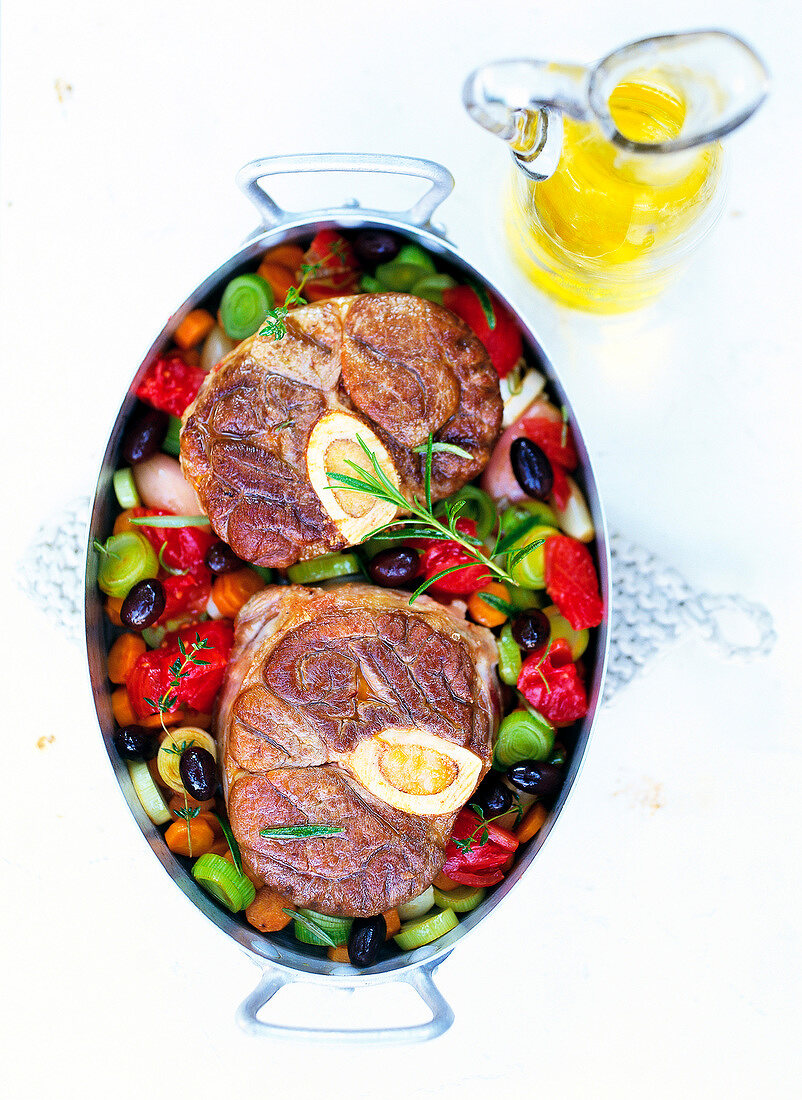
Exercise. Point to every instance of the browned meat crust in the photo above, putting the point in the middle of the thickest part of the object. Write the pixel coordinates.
(313, 673)
(403, 366)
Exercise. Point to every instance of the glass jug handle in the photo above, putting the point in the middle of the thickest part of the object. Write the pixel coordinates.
(523, 103)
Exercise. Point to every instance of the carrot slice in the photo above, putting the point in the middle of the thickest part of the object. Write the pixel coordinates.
(123, 656)
(180, 833)
(481, 612)
(113, 608)
(339, 954)
(123, 522)
(195, 327)
(279, 277)
(288, 255)
(266, 911)
(443, 882)
(393, 922)
(532, 822)
(121, 708)
(231, 591)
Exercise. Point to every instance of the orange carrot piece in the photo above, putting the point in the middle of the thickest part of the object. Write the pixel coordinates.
(482, 612)
(180, 833)
(339, 954)
(266, 911)
(220, 847)
(443, 882)
(123, 522)
(121, 708)
(279, 277)
(232, 591)
(532, 822)
(195, 327)
(393, 922)
(177, 803)
(288, 255)
(113, 608)
(123, 655)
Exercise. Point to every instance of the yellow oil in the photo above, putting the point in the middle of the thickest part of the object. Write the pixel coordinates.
(607, 230)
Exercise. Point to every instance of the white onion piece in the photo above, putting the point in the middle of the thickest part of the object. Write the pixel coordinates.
(161, 484)
(215, 347)
(417, 907)
(498, 479)
(516, 404)
(575, 517)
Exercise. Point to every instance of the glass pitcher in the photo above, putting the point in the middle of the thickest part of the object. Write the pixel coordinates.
(618, 167)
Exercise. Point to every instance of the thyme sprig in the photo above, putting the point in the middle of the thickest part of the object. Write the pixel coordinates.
(426, 524)
(275, 323)
(466, 844)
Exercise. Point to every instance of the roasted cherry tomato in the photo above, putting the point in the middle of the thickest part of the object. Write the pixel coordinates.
(338, 271)
(151, 676)
(170, 384)
(552, 685)
(502, 341)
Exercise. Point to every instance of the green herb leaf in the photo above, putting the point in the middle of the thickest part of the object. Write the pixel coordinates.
(231, 840)
(300, 832)
(508, 540)
(500, 604)
(170, 521)
(168, 568)
(485, 303)
(445, 448)
(187, 812)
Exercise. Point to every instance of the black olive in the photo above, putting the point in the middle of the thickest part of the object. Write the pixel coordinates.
(143, 605)
(220, 558)
(144, 435)
(559, 755)
(532, 468)
(365, 940)
(374, 246)
(531, 630)
(136, 743)
(198, 772)
(394, 567)
(493, 796)
(535, 777)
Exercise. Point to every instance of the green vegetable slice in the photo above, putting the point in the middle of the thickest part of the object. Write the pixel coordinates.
(414, 254)
(320, 929)
(148, 793)
(125, 488)
(170, 521)
(523, 599)
(509, 657)
(246, 302)
(324, 568)
(529, 570)
(172, 441)
(370, 285)
(125, 559)
(462, 900)
(420, 932)
(153, 636)
(224, 882)
(523, 735)
(478, 507)
(431, 287)
(400, 276)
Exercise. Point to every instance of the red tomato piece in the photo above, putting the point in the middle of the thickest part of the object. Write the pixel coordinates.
(552, 685)
(439, 555)
(185, 595)
(469, 878)
(571, 581)
(180, 547)
(170, 384)
(150, 677)
(552, 436)
(503, 341)
(338, 272)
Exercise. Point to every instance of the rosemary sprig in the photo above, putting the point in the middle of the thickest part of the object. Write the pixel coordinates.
(310, 926)
(300, 832)
(426, 524)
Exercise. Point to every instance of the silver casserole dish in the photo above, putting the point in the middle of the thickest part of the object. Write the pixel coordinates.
(279, 957)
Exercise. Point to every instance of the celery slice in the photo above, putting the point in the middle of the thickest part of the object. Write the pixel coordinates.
(509, 657)
(224, 882)
(148, 793)
(125, 488)
(324, 568)
(420, 932)
(462, 900)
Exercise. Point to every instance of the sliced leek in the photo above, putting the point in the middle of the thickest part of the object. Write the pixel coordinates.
(462, 900)
(148, 793)
(320, 929)
(224, 882)
(324, 568)
(420, 932)
(417, 907)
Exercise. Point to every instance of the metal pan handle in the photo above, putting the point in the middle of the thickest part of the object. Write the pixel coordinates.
(250, 175)
(420, 979)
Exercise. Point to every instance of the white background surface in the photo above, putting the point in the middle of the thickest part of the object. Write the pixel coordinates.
(653, 950)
